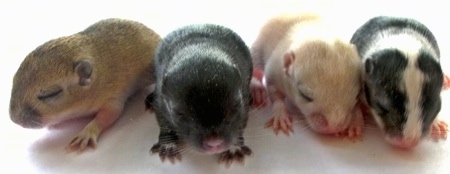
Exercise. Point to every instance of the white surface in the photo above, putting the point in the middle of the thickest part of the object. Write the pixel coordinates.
(124, 147)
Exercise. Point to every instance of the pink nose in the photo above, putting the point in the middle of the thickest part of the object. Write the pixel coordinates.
(213, 146)
(320, 120)
(402, 143)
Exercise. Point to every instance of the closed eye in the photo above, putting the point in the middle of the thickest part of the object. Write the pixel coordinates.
(49, 94)
(307, 98)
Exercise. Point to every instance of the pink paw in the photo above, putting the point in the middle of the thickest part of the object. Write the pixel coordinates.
(446, 84)
(283, 123)
(86, 138)
(280, 120)
(439, 130)
(354, 130)
(82, 141)
(259, 93)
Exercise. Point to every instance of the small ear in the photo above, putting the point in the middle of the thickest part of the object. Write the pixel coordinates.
(84, 71)
(369, 66)
(288, 59)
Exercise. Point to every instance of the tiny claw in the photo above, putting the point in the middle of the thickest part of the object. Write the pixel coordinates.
(238, 155)
(269, 123)
(155, 148)
(282, 123)
(172, 160)
(276, 125)
(178, 157)
(162, 157)
(169, 151)
(247, 151)
(287, 133)
(79, 144)
(276, 131)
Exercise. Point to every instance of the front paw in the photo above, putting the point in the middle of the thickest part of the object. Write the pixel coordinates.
(235, 153)
(354, 130)
(446, 84)
(170, 151)
(280, 120)
(259, 94)
(86, 138)
(439, 130)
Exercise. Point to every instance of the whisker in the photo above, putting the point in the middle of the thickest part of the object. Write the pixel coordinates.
(184, 149)
(142, 122)
(258, 136)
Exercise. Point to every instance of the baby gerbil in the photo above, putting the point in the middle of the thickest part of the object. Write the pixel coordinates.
(92, 72)
(306, 62)
(202, 93)
(403, 78)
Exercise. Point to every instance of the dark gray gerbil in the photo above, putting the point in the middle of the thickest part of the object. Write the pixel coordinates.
(202, 93)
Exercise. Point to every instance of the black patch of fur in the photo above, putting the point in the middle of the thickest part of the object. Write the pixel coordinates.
(431, 99)
(203, 83)
(387, 68)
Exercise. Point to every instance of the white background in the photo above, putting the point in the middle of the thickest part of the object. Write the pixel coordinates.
(124, 147)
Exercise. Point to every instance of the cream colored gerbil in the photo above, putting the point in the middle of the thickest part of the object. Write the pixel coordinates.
(305, 62)
(92, 72)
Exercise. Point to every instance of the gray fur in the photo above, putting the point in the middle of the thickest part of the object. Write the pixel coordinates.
(202, 90)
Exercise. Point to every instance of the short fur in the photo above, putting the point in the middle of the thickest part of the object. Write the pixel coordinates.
(202, 90)
(91, 72)
(310, 65)
(403, 77)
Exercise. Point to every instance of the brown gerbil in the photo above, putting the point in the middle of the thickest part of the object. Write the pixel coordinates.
(92, 72)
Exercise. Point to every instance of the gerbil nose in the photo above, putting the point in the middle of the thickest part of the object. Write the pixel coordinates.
(214, 145)
(27, 117)
(320, 120)
(403, 143)
(321, 124)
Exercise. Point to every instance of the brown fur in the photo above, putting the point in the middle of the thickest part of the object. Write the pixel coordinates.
(121, 53)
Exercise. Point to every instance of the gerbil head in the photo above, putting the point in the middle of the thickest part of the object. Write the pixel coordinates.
(48, 82)
(325, 83)
(206, 104)
(403, 90)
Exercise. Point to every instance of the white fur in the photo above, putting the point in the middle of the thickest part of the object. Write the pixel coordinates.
(169, 106)
(72, 113)
(413, 80)
(377, 118)
(407, 42)
(212, 52)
